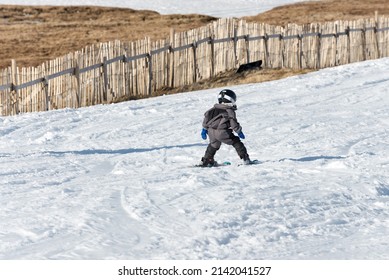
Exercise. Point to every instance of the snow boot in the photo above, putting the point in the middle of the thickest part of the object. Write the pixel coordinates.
(207, 162)
(246, 159)
(208, 159)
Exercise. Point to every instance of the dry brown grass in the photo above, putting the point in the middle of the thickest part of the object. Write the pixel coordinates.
(231, 78)
(34, 34)
(322, 11)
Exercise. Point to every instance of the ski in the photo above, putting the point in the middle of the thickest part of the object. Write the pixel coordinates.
(252, 162)
(227, 163)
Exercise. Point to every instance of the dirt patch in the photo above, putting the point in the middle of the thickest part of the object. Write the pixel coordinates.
(34, 34)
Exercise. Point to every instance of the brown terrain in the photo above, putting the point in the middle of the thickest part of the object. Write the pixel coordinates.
(34, 34)
(322, 11)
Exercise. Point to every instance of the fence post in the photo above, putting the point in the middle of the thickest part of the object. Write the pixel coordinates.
(235, 44)
(348, 44)
(267, 58)
(14, 98)
(281, 48)
(246, 38)
(171, 60)
(105, 79)
(212, 43)
(363, 35)
(78, 84)
(195, 70)
(318, 62)
(376, 35)
(300, 51)
(150, 66)
(46, 86)
(335, 51)
(149, 61)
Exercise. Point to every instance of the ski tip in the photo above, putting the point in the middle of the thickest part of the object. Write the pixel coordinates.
(252, 162)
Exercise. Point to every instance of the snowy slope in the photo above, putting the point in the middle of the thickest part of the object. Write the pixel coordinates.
(116, 182)
(217, 8)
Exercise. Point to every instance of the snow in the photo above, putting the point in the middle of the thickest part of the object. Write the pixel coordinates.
(217, 8)
(117, 182)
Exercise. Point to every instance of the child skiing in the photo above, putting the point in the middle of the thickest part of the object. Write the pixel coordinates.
(219, 123)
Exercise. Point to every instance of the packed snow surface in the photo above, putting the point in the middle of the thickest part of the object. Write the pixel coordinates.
(216, 8)
(117, 182)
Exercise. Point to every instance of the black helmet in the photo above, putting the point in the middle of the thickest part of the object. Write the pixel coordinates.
(227, 96)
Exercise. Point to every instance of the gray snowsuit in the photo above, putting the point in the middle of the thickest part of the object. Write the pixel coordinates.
(220, 121)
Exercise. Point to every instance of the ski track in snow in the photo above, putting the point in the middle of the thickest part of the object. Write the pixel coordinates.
(116, 182)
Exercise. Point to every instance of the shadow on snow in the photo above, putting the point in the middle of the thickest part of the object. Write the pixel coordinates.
(122, 151)
(313, 158)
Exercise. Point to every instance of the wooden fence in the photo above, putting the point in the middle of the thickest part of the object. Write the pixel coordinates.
(112, 71)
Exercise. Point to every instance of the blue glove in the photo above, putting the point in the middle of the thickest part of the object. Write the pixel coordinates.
(241, 135)
(204, 133)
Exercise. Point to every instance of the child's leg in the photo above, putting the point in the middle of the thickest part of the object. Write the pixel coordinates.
(231, 139)
(210, 152)
(240, 148)
(213, 147)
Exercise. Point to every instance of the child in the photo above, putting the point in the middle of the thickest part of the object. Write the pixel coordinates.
(219, 123)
